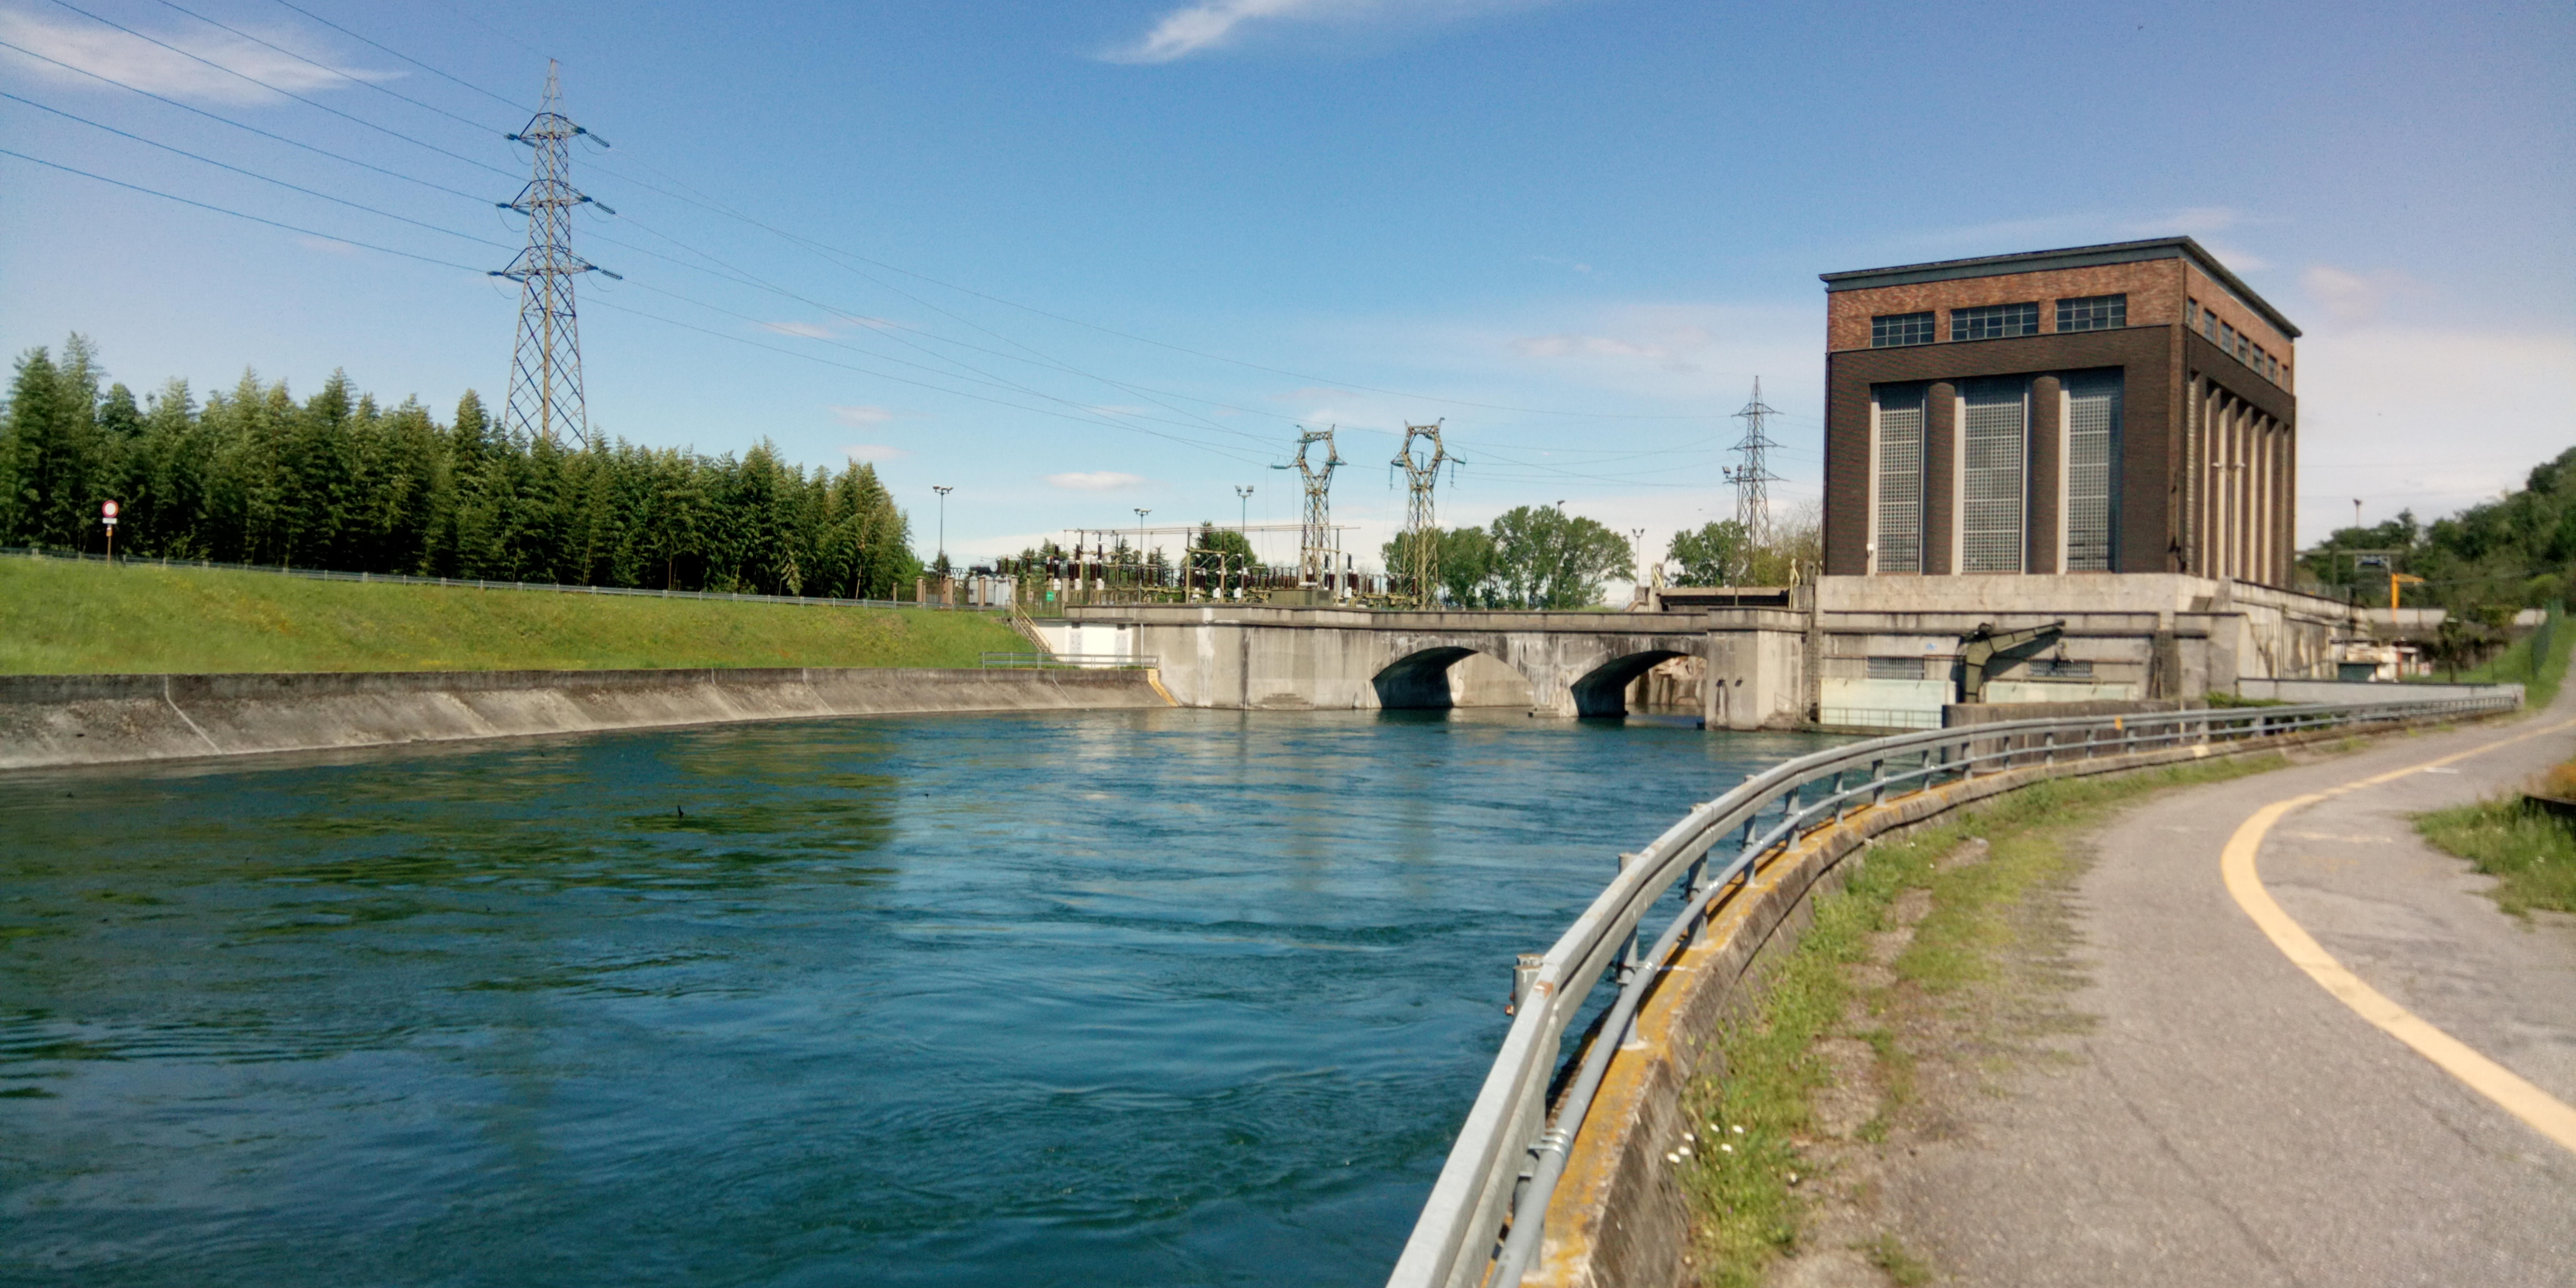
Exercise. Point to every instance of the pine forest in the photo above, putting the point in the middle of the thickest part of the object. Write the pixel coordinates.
(336, 481)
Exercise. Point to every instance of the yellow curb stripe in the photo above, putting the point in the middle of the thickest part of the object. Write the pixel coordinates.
(2547, 1114)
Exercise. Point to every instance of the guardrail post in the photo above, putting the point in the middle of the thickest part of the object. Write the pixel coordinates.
(1524, 973)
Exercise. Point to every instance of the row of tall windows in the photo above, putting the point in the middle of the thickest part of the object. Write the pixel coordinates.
(1999, 321)
(2237, 344)
(1992, 485)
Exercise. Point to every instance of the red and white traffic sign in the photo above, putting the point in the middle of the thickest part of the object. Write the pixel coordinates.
(107, 509)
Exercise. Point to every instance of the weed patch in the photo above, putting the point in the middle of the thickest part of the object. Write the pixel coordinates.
(2531, 855)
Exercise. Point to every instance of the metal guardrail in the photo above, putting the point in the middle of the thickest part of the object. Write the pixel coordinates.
(1484, 1219)
(480, 583)
(1069, 661)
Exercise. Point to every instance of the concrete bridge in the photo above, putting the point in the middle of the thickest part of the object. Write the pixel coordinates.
(1553, 664)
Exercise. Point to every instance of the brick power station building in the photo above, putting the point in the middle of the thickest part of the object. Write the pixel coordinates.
(2122, 408)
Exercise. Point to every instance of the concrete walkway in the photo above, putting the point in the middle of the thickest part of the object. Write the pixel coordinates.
(2228, 1121)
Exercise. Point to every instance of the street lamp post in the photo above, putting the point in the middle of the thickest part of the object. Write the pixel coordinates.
(943, 519)
(1141, 512)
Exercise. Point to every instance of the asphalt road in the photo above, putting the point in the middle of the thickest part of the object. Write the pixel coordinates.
(2226, 1120)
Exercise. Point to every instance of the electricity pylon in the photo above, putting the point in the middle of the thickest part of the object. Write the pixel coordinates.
(1420, 543)
(1752, 496)
(545, 366)
(1315, 542)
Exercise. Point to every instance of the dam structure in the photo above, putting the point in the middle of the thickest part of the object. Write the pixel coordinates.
(1846, 652)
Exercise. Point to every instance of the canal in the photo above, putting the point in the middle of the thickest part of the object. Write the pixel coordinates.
(1096, 998)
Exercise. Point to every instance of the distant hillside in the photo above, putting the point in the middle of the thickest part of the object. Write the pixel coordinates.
(2518, 551)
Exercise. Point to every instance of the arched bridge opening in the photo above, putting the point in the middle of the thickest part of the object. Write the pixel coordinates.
(1603, 691)
(1445, 676)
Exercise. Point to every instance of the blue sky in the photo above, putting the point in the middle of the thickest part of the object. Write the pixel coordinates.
(1575, 231)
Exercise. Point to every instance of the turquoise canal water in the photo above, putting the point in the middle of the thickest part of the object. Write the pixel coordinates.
(1098, 998)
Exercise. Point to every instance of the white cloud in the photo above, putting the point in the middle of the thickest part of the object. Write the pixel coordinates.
(2405, 417)
(2353, 299)
(1216, 24)
(862, 417)
(809, 330)
(1095, 481)
(144, 65)
(1671, 349)
(871, 453)
(327, 246)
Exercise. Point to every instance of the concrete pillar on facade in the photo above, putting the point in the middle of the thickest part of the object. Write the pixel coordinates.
(2183, 509)
(2046, 477)
(2287, 521)
(1940, 476)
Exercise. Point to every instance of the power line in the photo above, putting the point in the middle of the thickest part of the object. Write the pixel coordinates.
(819, 248)
(473, 197)
(923, 384)
(353, 205)
(221, 210)
(275, 90)
(430, 107)
(497, 98)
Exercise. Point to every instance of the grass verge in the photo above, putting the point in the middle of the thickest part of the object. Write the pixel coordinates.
(1743, 1175)
(2531, 855)
(62, 617)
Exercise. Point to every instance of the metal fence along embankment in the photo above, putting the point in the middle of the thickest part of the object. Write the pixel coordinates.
(1484, 1220)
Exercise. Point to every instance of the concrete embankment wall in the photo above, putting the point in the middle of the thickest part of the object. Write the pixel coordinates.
(54, 720)
(2342, 691)
(1619, 1216)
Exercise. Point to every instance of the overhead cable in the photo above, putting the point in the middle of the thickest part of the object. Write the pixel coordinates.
(221, 210)
(429, 107)
(353, 205)
(474, 197)
(498, 98)
(1205, 447)
(288, 93)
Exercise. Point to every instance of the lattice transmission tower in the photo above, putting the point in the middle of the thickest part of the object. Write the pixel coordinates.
(1420, 543)
(1753, 477)
(1315, 550)
(545, 365)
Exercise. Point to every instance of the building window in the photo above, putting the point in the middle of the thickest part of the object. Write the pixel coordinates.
(1994, 321)
(2060, 668)
(2092, 460)
(1993, 428)
(1890, 330)
(2093, 313)
(1899, 492)
(1896, 668)
(2226, 338)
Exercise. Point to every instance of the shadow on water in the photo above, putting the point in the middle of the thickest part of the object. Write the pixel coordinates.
(1109, 997)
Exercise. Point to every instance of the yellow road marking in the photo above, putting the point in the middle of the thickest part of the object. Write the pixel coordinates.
(2546, 1113)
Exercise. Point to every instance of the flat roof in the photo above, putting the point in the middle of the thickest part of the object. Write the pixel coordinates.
(2038, 261)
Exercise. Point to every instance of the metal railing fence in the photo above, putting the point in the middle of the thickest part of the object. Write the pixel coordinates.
(1484, 1219)
(1068, 661)
(484, 583)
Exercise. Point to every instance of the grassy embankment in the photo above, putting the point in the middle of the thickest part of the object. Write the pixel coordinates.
(62, 617)
(1747, 1206)
(2532, 855)
(2516, 665)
